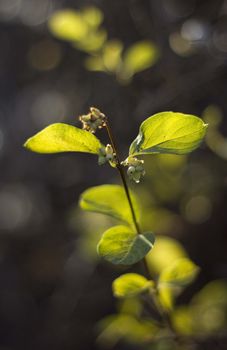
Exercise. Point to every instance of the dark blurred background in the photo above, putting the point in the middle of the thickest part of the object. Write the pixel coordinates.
(52, 292)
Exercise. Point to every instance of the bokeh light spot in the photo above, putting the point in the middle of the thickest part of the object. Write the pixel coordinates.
(45, 55)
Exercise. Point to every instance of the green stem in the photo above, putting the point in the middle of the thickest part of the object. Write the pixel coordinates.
(165, 317)
(122, 175)
(126, 188)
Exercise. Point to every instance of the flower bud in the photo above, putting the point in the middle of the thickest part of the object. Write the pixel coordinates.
(106, 154)
(135, 168)
(93, 120)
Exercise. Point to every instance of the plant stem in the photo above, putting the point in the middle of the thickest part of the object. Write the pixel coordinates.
(122, 174)
(124, 181)
(163, 314)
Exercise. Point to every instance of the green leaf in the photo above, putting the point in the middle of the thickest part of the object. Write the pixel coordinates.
(169, 132)
(174, 278)
(92, 43)
(68, 25)
(93, 16)
(140, 56)
(117, 327)
(165, 252)
(61, 137)
(180, 273)
(120, 245)
(110, 200)
(130, 284)
(206, 314)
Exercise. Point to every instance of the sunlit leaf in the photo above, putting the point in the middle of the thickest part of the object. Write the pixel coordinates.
(112, 55)
(182, 320)
(93, 16)
(93, 42)
(68, 25)
(206, 315)
(120, 245)
(131, 306)
(110, 200)
(140, 56)
(180, 273)
(209, 308)
(169, 132)
(61, 137)
(173, 279)
(130, 284)
(165, 252)
(126, 327)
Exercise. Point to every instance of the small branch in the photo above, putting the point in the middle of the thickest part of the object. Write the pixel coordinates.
(122, 175)
(165, 317)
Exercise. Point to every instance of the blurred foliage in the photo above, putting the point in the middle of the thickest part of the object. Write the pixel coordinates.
(214, 139)
(206, 314)
(53, 290)
(82, 29)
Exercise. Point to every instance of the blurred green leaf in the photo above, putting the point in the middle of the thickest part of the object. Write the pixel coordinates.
(206, 315)
(120, 245)
(166, 296)
(126, 327)
(182, 320)
(112, 55)
(110, 200)
(68, 25)
(61, 137)
(209, 308)
(140, 56)
(93, 42)
(92, 16)
(173, 279)
(169, 132)
(131, 306)
(130, 284)
(165, 252)
(180, 273)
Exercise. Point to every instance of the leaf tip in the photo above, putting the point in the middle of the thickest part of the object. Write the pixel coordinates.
(27, 144)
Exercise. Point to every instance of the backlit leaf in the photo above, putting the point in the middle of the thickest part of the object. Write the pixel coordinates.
(61, 137)
(68, 25)
(93, 16)
(110, 200)
(174, 278)
(128, 328)
(120, 245)
(165, 252)
(169, 132)
(130, 284)
(140, 56)
(180, 273)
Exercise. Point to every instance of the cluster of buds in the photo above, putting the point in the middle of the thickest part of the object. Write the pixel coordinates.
(93, 120)
(135, 168)
(106, 154)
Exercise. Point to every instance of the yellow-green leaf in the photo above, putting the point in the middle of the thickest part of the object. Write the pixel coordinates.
(140, 56)
(126, 327)
(93, 16)
(110, 200)
(130, 284)
(93, 42)
(180, 273)
(165, 252)
(68, 25)
(169, 132)
(173, 279)
(120, 245)
(61, 137)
